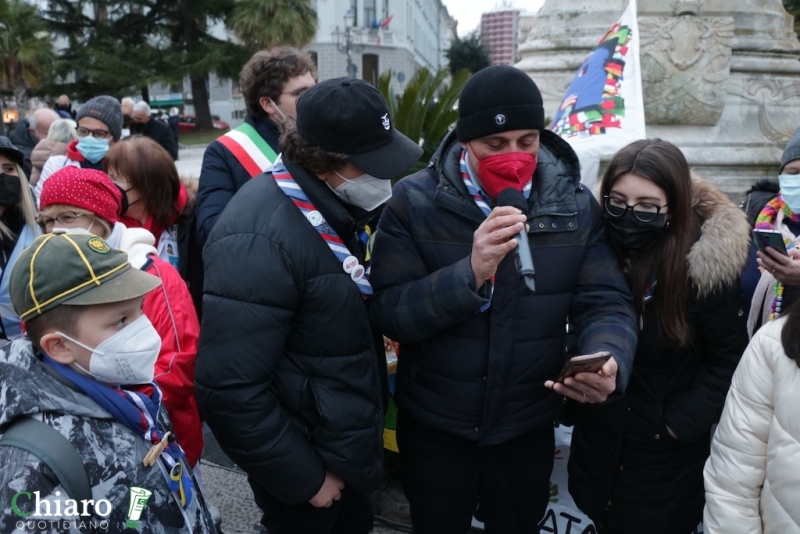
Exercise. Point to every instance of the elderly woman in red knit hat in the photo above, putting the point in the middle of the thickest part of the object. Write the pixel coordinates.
(86, 200)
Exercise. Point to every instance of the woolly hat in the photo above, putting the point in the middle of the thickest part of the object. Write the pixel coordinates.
(792, 150)
(88, 189)
(107, 110)
(498, 99)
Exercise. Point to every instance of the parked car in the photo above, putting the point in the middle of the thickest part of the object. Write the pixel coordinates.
(187, 123)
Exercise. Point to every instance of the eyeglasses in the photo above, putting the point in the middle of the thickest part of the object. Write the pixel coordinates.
(643, 211)
(97, 134)
(297, 92)
(68, 217)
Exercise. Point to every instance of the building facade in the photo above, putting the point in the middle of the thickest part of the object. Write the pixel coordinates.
(500, 34)
(397, 35)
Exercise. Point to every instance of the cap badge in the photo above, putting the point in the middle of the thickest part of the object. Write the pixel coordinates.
(385, 121)
(499, 119)
(98, 245)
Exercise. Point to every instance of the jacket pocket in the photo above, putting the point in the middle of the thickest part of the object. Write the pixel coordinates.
(311, 413)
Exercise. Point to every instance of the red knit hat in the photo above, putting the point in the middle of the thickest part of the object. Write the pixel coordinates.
(87, 189)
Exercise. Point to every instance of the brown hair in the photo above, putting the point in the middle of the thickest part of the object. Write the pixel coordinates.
(663, 164)
(150, 169)
(63, 318)
(313, 158)
(268, 71)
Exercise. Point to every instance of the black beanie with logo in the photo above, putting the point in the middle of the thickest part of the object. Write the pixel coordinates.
(498, 99)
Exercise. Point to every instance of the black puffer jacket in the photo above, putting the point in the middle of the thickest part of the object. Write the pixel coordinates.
(626, 472)
(287, 371)
(480, 375)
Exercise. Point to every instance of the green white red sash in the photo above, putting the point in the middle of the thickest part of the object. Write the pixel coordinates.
(249, 148)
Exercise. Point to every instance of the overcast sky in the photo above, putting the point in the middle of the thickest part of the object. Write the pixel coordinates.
(468, 12)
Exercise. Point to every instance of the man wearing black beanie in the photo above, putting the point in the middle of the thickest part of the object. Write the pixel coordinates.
(479, 348)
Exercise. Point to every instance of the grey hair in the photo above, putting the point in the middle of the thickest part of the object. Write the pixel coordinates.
(142, 106)
(128, 100)
(63, 131)
(33, 122)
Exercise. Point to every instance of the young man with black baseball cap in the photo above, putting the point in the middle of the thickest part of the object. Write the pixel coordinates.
(475, 421)
(289, 369)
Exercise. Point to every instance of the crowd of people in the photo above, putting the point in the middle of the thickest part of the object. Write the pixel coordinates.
(138, 305)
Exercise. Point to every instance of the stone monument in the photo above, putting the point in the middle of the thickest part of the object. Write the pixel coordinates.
(721, 78)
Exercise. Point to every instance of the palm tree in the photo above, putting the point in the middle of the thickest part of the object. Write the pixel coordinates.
(262, 24)
(25, 49)
(426, 110)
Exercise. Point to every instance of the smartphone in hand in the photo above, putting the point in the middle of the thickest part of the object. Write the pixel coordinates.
(769, 238)
(589, 363)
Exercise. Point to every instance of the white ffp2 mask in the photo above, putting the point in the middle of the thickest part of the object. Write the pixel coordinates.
(366, 192)
(127, 357)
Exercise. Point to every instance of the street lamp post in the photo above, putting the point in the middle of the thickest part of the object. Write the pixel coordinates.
(345, 44)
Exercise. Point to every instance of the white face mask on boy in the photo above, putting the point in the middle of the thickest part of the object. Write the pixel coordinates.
(127, 357)
(366, 192)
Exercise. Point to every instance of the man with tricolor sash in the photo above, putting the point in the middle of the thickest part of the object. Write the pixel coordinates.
(290, 372)
(271, 82)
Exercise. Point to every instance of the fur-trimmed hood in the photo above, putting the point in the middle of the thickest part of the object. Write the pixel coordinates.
(719, 256)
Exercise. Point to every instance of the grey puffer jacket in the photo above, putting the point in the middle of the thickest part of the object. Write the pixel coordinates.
(111, 453)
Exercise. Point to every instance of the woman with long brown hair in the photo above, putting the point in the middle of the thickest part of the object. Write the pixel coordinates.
(636, 464)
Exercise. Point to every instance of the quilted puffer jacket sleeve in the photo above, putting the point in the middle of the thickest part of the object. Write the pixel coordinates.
(602, 309)
(411, 303)
(736, 470)
(250, 300)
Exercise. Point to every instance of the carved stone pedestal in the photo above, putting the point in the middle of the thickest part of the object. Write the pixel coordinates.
(721, 78)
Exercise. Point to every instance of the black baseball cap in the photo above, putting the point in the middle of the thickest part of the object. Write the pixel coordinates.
(349, 116)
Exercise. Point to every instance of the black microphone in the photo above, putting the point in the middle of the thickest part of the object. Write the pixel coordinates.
(522, 254)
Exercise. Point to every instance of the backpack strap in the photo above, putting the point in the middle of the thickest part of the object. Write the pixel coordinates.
(55, 451)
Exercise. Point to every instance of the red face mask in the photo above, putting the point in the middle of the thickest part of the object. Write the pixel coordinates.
(502, 171)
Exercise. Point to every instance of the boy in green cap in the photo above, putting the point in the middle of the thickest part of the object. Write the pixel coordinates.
(86, 370)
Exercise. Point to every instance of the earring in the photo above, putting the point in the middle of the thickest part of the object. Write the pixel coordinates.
(667, 225)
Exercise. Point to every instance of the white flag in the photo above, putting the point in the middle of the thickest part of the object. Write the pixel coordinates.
(603, 110)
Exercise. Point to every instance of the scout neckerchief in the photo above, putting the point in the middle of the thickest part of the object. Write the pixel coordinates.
(249, 148)
(482, 201)
(358, 273)
(137, 410)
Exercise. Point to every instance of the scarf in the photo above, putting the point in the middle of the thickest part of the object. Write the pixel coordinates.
(152, 226)
(358, 273)
(762, 307)
(137, 410)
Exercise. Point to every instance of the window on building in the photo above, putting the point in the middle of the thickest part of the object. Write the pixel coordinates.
(354, 8)
(369, 13)
(369, 68)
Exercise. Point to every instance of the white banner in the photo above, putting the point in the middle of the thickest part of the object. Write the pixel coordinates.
(603, 109)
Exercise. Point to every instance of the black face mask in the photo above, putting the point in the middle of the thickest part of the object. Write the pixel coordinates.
(125, 205)
(10, 190)
(630, 233)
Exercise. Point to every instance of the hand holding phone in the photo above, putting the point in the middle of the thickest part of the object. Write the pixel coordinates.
(769, 238)
(590, 363)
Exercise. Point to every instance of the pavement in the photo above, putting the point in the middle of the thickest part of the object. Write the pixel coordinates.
(224, 484)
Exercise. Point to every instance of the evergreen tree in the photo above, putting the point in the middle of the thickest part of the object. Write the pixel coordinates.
(468, 53)
(25, 50)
